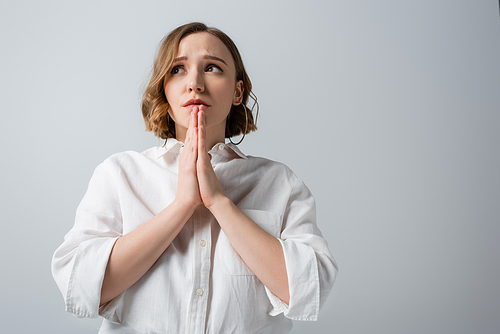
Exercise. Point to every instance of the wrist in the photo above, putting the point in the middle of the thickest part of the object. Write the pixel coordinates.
(219, 205)
(184, 206)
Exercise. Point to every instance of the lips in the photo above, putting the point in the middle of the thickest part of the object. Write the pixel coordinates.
(195, 103)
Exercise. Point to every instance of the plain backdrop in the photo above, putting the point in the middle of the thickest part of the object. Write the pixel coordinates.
(388, 110)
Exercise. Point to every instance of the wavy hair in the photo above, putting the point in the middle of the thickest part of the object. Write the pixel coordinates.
(154, 102)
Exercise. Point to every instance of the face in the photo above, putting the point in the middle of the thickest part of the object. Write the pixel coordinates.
(203, 73)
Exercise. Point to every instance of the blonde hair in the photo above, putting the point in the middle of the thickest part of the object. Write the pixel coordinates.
(154, 102)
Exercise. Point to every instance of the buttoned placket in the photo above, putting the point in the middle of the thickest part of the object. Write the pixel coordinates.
(201, 270)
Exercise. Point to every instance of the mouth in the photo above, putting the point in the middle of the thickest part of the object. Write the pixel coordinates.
(190, 104)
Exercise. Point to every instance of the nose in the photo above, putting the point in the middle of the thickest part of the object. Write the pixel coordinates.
(195, 83)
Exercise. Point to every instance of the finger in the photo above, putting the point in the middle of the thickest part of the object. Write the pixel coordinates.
(189, 131)
(190, 152)
(194, 134)
(201, 127)
(203, 121)
(194, 115)
(194, 127)
(202, 150)
(201, 116)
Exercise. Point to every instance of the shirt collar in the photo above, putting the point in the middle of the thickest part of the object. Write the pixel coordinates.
(172, 145)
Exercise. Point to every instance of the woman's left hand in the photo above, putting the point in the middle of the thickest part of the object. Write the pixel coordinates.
(261, 251)
(210, 188)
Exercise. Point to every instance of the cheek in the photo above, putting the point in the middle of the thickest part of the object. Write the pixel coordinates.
(172, 87)
(225, 92)
(173, 101)
(169, 95)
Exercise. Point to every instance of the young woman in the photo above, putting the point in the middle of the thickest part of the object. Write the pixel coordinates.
(195, 236)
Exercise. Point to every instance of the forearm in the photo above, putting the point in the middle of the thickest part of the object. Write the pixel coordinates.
(134, 253)
(260, 251)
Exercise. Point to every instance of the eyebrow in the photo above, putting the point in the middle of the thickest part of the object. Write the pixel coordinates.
(182, 58)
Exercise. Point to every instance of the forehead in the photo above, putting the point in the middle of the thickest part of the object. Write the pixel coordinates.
(203, 43)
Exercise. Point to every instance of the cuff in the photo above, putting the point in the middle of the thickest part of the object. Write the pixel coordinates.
(303, 283)
(84, 289)
(279, 306)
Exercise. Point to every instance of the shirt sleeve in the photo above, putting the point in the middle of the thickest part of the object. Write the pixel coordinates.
(310, 266)
(78, 265)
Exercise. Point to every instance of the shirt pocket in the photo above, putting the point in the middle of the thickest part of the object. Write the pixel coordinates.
(268, 221)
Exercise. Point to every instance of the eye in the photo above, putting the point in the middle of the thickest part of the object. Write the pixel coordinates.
(176, 70)
(213, 68)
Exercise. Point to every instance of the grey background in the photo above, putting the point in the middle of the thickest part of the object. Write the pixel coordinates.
(388, 110)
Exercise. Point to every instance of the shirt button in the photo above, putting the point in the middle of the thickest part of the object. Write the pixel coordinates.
(213, 166)
(203, 243)
(199, 292)
(221, 147)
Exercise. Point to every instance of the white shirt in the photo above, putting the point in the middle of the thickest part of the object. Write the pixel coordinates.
(199, 284)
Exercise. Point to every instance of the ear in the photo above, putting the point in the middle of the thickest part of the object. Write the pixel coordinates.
(238, 93)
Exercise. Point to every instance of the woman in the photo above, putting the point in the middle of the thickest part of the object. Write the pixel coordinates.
(195, 236)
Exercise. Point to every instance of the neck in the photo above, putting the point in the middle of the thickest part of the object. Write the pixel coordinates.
(212, 140)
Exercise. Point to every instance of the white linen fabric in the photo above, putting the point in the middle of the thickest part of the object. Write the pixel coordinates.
(199, 284)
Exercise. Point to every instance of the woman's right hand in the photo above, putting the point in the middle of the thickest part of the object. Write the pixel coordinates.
(135, 252)
(188, 192)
